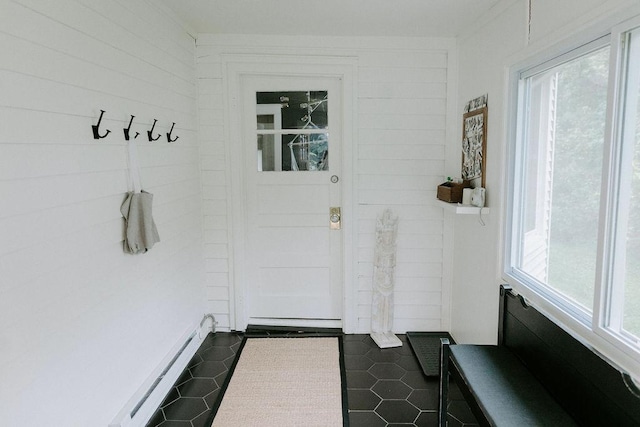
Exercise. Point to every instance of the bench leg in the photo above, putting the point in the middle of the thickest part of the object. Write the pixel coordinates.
(444, 381)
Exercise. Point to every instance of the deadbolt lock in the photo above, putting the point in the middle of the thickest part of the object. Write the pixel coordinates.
(334, 218)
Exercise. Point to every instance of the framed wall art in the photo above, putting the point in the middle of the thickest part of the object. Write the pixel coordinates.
(474, 141)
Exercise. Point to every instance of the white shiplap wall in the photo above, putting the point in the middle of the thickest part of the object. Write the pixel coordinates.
(403, 87)
(82, 325)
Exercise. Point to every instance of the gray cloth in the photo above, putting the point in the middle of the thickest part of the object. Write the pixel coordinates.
(140, 230)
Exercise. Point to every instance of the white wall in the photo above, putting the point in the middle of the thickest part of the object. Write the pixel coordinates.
(476, 247)
(486, 51)
(402, 115)
(83, 324)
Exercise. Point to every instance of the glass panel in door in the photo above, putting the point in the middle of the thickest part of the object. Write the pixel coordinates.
(292, 131)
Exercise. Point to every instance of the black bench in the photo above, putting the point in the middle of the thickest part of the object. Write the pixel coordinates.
(537, 375)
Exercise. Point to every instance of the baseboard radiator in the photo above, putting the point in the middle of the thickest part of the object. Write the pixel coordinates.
(142, 406)
(157, 381)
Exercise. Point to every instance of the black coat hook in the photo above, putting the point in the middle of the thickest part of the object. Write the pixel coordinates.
(96, 132)
(128, 129)
(169, 134)
(150, 132)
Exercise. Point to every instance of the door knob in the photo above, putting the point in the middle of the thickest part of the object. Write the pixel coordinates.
(334, 218)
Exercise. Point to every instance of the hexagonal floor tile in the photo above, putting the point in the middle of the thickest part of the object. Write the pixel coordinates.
(359, 363)
(210, 399)
(225, 340)
(201, 420)
(229, 362)
(362, 399)
(208, 369)
(397, 411)
(356, 348)
(409, 363)
(197, 387)
(195, 360)
(405, 349)
(156, 419)
(360, 379)
(185, 409)
(171, 396)
(383, 355)
(391, 389)
(217, 353)
(365, 419)
(174, 423)
(387, 371)
(416, 379)
(185, 376)
(425, 400)
(427, 419)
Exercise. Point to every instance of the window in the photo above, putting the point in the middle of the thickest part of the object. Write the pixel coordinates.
(623, 314)
(562, 169)
(574, 226)
(291, 129)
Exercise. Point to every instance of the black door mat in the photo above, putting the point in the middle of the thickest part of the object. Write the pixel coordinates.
(426, 346)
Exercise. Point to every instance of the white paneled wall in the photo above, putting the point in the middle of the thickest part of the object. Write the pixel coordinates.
(403, 123)
(215, 183)
(83, 324)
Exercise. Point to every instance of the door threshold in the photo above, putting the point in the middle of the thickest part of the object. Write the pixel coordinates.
(295, 323)
(290, 331)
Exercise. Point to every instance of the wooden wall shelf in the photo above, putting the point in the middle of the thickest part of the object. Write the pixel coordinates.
(460, 209)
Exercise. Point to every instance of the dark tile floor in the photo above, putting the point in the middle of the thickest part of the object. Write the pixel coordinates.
(385, 387)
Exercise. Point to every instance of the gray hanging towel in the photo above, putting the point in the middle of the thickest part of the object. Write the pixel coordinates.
(140, 229)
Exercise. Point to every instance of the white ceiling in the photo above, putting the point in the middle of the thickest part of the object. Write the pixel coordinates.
(413, 18)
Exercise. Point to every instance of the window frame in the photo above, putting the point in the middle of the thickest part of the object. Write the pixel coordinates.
(613, 202)
(592, 329)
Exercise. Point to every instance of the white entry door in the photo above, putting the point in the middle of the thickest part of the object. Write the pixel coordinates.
(292, 164)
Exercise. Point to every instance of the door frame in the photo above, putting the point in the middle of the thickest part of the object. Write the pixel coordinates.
(234, 69)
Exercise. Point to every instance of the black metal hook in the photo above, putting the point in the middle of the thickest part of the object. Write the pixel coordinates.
(169, 134)
(128, 129)
(96, 132)
(150, 132)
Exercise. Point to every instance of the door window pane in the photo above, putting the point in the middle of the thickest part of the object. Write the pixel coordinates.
(300, 109)
(563, 145)
(298, 152)
(265, 121)
(266, 153)
(280, 149)
(303, 152)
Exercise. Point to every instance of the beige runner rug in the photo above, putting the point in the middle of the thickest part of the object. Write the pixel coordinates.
(284, 382)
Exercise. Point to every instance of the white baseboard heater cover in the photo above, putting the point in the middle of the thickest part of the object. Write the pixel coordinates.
(141, 407)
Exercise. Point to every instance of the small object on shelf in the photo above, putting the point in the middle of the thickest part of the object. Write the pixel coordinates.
(477, 197)
(451, 192)
(466, 196)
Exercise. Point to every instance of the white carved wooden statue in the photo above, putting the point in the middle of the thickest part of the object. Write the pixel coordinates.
(384, 264)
